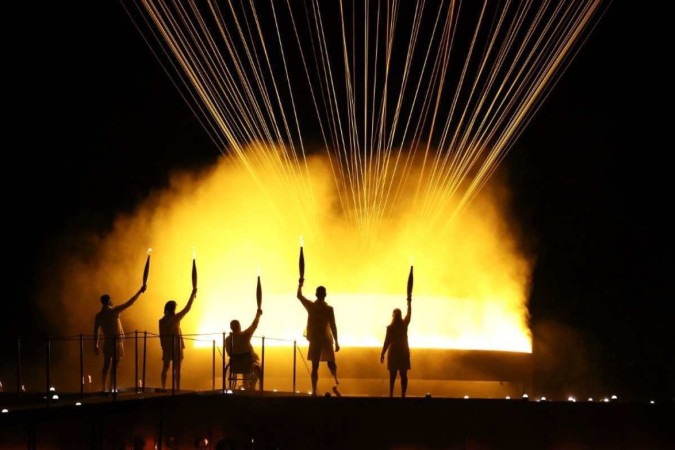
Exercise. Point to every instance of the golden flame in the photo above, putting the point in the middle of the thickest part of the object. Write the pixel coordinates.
(471, 280)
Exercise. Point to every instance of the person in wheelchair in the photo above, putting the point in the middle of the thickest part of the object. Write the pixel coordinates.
(243, 358)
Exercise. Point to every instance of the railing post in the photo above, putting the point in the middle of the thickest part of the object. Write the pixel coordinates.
(223, 359)
(295, 351)
(81, 366)
(136, 362)
(173, 365)
(262, 366)
(114, 368)
(145, 349)
(49, 356)
(18, 367)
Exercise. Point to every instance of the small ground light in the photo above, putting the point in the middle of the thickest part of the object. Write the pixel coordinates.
(525, 397)
(605, 400)
(543, 399)
(52, 389)
(5, 410)
(571, 399)
(590, 399)
(466, 396)
(508, 398)
(614, 398)
(651, 402)
(78, 403)
(55, 397)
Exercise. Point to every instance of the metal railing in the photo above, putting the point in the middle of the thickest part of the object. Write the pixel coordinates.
(59, 356)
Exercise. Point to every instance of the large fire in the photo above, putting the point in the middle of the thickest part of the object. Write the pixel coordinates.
(471, 281)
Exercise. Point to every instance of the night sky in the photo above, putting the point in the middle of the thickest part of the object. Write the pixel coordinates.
(94, 125)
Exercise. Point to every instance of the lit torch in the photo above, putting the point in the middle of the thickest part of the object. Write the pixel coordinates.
(410, 282)
(146, 271)
(194, 268)
(301, 263)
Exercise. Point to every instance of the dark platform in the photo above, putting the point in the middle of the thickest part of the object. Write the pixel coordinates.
(285, 421)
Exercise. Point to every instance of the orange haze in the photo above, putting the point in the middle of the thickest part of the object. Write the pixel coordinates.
(471, 280)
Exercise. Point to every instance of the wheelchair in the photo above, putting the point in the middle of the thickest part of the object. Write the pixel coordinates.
(243, 373)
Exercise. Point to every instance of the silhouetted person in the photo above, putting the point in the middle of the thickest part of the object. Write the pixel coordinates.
(171, 339)
(396, 344)
(321, 332)
(108, 322)
(238, 345)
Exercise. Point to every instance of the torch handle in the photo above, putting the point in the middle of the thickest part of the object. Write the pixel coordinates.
(194, 273)
(258, 293)
(146, 271)
(301, 264)
(410, 282)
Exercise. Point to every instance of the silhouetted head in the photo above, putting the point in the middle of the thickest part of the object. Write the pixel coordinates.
(235, 325)
(321, 292)
(170, 307)
(105, 300)
(396, 316)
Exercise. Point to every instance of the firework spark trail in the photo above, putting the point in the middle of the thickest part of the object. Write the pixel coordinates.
(458, 116)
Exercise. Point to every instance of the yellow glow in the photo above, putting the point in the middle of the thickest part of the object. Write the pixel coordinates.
(471, 281)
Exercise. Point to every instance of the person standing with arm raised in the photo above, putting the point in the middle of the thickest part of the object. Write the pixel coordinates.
(171, 339)
(107, 321)
(321, 333)
(396, 344)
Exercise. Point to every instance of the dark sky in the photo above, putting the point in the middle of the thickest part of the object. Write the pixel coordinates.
(93, 124)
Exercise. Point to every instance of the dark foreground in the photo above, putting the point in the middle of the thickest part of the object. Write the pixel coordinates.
(286, 421)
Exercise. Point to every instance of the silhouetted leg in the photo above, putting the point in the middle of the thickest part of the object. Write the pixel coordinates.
(315, 375)
(165, 370)
(404, 382)
(392, 381)
(104, 373)
(255, 375)
(333, 370)
(176, 368)
(112, 379)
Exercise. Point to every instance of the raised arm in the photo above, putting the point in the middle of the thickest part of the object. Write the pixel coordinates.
(131, 301)
(251, 329)
(186, 310)
(305, 302)
(406, 319)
